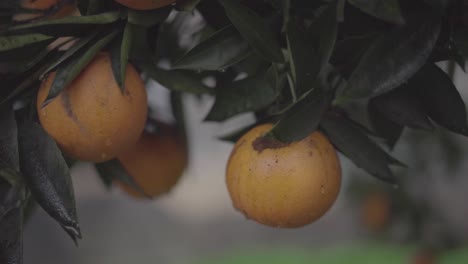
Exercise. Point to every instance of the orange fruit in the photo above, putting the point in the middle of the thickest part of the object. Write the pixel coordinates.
(52, 9)
(283, 185)
(145, 4)
(91, 119)
(376, 211)
(156, 162)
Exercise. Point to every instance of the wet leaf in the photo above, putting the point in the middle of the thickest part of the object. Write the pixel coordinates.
(356, 145)
(47, 176)
(224, 48)
(250, 94)
(254, 29)
(440, 98)
(392, 59)
(74, 65)
(387, 10)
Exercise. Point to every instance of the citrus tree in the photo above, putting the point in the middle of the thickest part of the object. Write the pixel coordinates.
(320, 77)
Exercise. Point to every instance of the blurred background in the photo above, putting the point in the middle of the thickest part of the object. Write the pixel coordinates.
(425, 219)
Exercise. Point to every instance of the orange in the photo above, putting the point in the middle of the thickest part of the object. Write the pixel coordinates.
(91, 119)
(376, 211)
(145, 4)
(155, 163)
(283, 185)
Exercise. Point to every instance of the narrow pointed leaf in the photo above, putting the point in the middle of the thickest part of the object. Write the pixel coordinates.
(47, 176)
(148, 18)
(113, 170)
(11, 229)
(224, 48)
(384, 127)
(119, 56)
(69, 70)
(19, 41)
(387, 10)
(357, 146)
(303, 118)
(9, 156)
(402, 107)
(392, 59)
(250, 94)
(254, 29)
(176, 80)
(441, 99)
(324, 29)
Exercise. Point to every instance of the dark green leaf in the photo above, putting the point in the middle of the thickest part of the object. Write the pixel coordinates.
(393, 59)
(20, 65)
(439, 5)
(250, 94)
(9, 156)
(355, 144)
(303, 57)
(303, 117)
(11, 229)
(70, 21)
(324, 29)
(177, 107)
(387, 10)
(18, 41)
(219, 51)
(441, 99)
(148, 18)
(119, 56)
(113, 170)
(254, 29)
(176, 80)
(141, 50)
(384, 127)
(79, 60)
(403, 108)
(47, 176)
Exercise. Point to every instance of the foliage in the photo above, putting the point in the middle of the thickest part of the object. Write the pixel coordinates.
(300, 64)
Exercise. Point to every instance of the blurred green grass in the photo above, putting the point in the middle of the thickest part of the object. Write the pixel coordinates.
(363, 254)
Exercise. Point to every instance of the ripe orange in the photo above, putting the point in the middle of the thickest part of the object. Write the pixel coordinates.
(376, 211)
(91, 119)
(283, 185)
(156, 162)
(56, 9)
(145, 4)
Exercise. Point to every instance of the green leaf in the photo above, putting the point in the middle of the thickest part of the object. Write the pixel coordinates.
(324, 29)
(224, 48)
(254, 29)
(384, 127)
(393, 59)
(177, 107)
(8, 43)
(47, 176)
(403, 108)
(74, 65)
(113, 170)
(303, 57)
(148, 18)
(11, 225)
(141, 50)
(104, 18)
(303, 117)
(119, 56)
(441, 99)
(354, 143)
(387, 10)
(70, 52)
(250, 94)
(9, 157)
(176, 80)
(20, 65)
